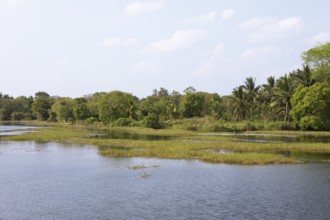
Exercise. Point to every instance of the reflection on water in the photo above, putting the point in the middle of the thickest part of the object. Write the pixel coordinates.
(56, 181)
(310, 157)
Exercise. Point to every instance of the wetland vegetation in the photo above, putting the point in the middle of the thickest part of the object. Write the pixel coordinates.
(179, 144)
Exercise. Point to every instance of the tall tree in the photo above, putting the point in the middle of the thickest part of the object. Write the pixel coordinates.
(41, 106)
(318, 58)
(62, 108)
(283, 93)
(310, 107)
(115, 105)
(240, 104)
(193, 104)
(80, 109)
(251, 91)
(303, 77)
(264, 99)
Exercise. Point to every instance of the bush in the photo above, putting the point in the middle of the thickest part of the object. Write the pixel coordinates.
(17, 116)
(309, 123)
(152, 121)
(91, 120)
(250, 127)
(123, 122)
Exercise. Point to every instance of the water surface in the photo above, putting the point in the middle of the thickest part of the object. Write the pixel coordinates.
(265, 138)
(10, 130)
(56, 181)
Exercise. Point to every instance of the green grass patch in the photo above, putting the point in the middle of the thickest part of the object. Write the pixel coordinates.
(184, 145)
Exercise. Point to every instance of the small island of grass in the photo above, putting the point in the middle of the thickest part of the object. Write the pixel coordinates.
(203, 146)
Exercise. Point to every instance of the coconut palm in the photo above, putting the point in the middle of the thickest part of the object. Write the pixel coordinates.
(264, 98)
(303, 77)
(251, 91)
(240, 104)
(283, 93)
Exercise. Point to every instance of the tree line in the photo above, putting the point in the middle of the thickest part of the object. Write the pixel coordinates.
(301, 97)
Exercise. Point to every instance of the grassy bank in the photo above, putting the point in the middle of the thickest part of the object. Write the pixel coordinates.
(183, 145)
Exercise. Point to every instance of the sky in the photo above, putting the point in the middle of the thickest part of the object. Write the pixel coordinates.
(72, 48)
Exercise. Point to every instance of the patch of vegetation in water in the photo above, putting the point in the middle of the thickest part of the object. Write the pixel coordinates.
(186, 145)
(130, 136)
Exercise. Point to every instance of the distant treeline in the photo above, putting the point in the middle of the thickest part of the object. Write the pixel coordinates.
(301, 97)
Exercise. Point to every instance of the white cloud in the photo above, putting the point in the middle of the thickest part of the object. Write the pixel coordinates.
(179, 40)
(210, 64)
(118, 41)
(147, 7)
(227, 13)
(204, 18)
(257, 22)
(272, 28)
(320, 38)
(253, 52)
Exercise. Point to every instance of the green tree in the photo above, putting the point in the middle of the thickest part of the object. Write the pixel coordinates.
(303, 77)
(264, 98)
(22, 108)
(80, 109)
(115, 105)
(240, 104)
(318, 58)
(41, 106)
(152, 121)
(63, 109)
(162, 104)
(283, 93)
(193, 104)
(213, 105)
(42, 94)
(6, 107)
(310, 107)
(251, 91)
(189, 89)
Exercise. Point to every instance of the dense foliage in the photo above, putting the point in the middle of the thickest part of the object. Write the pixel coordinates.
(301, 97)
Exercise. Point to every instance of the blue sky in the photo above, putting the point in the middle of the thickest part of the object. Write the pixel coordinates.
(78, 47)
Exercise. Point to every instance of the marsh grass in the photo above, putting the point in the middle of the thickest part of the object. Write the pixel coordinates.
(186, 145)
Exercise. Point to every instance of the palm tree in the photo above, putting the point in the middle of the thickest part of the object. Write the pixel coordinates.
(240, 103)
(251, 91)
(303, 77)
(283, 93)
(264, 98)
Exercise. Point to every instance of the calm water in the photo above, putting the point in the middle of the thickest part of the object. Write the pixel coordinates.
(264, 138)
(56, 181)
(258, 138)
(9, 130)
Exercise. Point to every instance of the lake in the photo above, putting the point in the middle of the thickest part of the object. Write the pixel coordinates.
(67, 181)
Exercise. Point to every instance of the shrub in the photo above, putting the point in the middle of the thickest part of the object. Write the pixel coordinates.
(123, 122)
(152, 121)
(308, 123)
(17, 116)
(91, 120)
